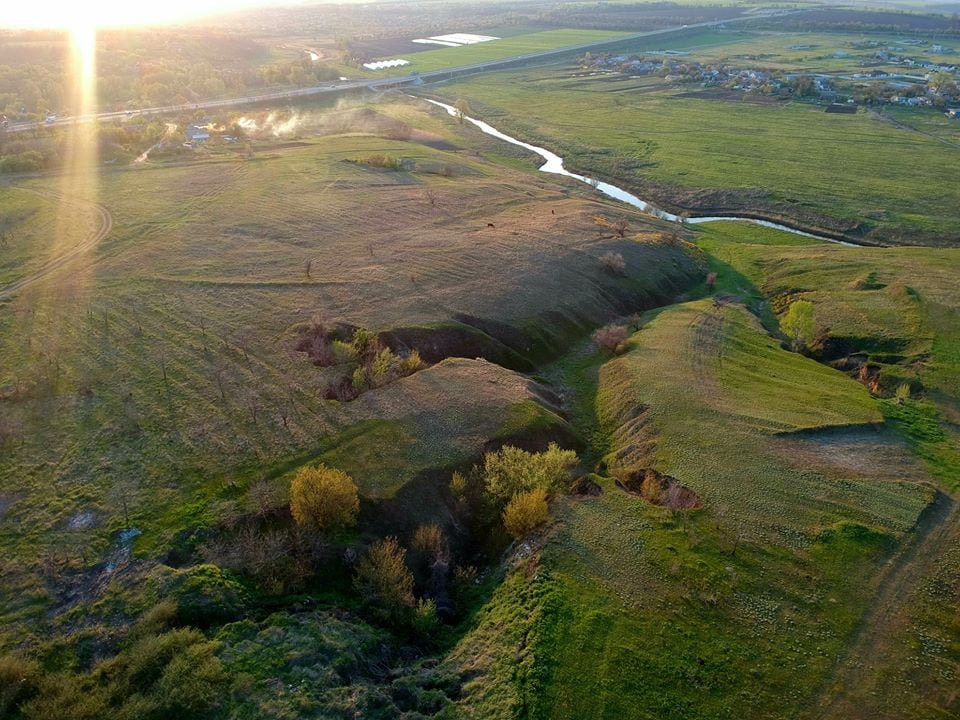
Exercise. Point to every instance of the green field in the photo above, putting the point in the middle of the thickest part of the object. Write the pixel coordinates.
(501, 48)
(860, 174)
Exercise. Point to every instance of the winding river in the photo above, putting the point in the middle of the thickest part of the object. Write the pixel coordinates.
(553, 163)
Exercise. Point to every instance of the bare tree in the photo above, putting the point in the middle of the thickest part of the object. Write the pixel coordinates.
(243, 338)
(620, 227)
(218, 371)
(462, 108)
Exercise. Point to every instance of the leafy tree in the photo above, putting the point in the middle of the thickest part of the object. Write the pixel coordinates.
(800, 323)
(324, 498)
(384, 580)
(525, 511)
(512, 470)
(941, 81)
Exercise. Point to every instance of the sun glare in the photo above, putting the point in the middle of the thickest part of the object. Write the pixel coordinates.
(70, 15)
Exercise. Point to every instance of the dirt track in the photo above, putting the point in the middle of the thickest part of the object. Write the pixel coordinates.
(876, 629)
(57, 263)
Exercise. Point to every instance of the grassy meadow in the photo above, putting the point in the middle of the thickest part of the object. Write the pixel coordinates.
(505, 47)
(859, 175)
(152, 380)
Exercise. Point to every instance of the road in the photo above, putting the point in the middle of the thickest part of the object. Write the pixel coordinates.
(380, 83)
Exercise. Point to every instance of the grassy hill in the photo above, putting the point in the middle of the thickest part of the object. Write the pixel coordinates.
(739, 609)
(154, 376)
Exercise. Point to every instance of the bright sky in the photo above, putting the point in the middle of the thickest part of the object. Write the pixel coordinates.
(106, 13)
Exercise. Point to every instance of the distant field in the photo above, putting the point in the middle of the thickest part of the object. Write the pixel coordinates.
(496, 49)
(813, 52)
(856, 174)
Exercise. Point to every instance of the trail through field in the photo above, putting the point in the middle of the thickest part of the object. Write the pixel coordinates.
(105, 225)
(937, 524)
(910, 128)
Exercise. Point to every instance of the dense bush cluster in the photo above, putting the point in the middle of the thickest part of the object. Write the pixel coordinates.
(367, 362)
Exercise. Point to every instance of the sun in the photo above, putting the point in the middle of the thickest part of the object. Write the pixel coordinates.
(74, 14)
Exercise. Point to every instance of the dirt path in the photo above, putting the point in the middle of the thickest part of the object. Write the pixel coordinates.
(851, 677)
(909, 128)
(54, 264)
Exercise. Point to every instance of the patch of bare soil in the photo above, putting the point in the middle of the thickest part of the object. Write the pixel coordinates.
(852, 452)
(659, 489)
(585, 486)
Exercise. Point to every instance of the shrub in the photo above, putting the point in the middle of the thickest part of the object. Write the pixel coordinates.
(206, 595)
(388, 162)
(512, 470)
(610, 338)
(902, 393)
(18, 682)
(526, 511)
(412, 363)
(458, 486)
(324, 498)
(800, 324)
(366, 344)
(359, 378)
(343, 352)
(613, 263)
(425, 620)
(429, 540)
(176, 674)
(381, 368)
(384, 581)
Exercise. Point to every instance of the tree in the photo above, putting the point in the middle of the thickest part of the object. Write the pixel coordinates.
(610, 338)
(324, 498)
(803, 86)
(463, 109)
(800, 323)
(526, 511)
(384, 580)
(940, 81)
(512, 470)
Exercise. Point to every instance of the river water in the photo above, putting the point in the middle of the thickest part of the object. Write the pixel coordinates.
(553, 163)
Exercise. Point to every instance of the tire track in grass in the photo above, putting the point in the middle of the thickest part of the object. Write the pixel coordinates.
(876, 630)
(57, 263)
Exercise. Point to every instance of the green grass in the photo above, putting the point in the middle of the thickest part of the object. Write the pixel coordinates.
(898, 304)
(111, 371)
(714, 234)
(496, 49)
(736, 610)
(855, 173)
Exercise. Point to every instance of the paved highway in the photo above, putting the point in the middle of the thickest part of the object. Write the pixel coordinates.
(377, 83)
